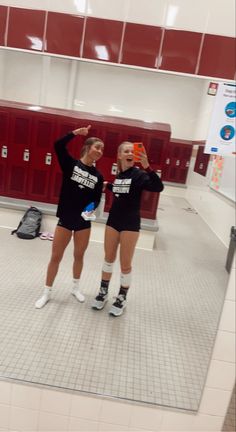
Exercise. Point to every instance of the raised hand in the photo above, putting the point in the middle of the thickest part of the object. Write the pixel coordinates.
(82, 131)
(143, 159)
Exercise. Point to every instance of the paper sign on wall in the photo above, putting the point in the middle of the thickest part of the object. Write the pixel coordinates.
(221, 137)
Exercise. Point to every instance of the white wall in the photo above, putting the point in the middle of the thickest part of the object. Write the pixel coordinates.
(104, 89)
(216, 210)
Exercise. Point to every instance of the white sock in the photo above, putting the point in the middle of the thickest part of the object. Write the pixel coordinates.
(76, 292)
(45, 297)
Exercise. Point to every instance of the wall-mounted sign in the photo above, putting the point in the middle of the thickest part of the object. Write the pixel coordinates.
(212, 89)
(221, 136)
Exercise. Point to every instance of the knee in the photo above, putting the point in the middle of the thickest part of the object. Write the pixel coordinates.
(79, 255)
(56, 258)
(126, 269)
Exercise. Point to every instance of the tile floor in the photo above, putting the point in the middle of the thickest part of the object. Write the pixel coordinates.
(158, 352)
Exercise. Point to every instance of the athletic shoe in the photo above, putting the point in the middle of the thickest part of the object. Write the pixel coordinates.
(78, 295)
(44, 299)
(101, 299)
(118, 306)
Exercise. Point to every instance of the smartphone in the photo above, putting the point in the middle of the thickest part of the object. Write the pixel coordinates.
(138, 148)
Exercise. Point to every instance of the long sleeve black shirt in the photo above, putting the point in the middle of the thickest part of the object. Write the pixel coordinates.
(81, 184)
(127, 190)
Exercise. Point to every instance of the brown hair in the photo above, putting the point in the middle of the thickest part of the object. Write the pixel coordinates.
(88, 143)
(119, 149)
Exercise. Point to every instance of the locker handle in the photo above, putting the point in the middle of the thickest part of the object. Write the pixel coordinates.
(26, 155)
(177, 162)
(4, 151)
(167, 161)
(48, 158)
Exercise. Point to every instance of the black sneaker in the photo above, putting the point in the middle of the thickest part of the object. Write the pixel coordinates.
(118, 306)
(101, 299)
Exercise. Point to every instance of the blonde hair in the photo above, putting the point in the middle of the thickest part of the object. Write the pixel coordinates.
(119, 149)
(88, 144)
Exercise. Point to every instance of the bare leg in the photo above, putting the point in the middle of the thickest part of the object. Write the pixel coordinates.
(128, 240)
(111, 243)
(61, 240)
(81, 239)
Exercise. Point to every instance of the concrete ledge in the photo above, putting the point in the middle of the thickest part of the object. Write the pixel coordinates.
(50, 209)
(12, 210)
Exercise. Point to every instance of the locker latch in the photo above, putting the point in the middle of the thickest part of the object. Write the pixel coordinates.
(114, 169)
(4, 151)
(26, 155)
(48, 159)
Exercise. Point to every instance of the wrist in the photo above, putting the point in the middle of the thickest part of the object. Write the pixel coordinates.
(76, 131)
(148, 168)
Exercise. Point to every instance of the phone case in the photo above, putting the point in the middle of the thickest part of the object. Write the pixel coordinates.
(138, 147)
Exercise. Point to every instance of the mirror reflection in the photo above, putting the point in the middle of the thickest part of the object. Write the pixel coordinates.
(158, 350)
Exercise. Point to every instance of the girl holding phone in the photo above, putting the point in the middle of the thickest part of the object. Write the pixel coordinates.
(123, 224)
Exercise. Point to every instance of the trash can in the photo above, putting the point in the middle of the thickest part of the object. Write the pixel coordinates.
(232, 246)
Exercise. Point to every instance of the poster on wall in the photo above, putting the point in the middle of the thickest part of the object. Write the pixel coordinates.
(221, 136)
(217, 168)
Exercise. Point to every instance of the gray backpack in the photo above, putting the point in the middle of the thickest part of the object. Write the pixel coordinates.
(29, 226)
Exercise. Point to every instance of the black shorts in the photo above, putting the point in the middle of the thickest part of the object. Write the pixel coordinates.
(124, 225)
(79, 225)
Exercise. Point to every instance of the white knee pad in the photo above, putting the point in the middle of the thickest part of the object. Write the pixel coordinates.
(107, 267)
(125, 279)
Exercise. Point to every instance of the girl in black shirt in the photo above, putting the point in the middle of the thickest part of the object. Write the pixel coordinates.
(123, 223)
(81, 185)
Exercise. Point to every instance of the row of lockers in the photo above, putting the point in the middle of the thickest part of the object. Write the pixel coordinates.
(29, 168)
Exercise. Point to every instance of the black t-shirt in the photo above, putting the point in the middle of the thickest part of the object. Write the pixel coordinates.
(127, 189)
(81, 184)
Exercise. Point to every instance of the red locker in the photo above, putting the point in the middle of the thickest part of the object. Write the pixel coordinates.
(202, 161)
(4, 132)
(41, 155)
(177, 161)
(18, 157)
(63, 125)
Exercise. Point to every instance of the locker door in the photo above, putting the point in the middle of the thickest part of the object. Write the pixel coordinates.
(175, 160)
(19, 154)
(149, 203)
(172, 162)
(43, 136)
(63, 126)
(4, 132)
(186, 152)
(155, 151)
(166, 163)
(202, 161)
(112, 137)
